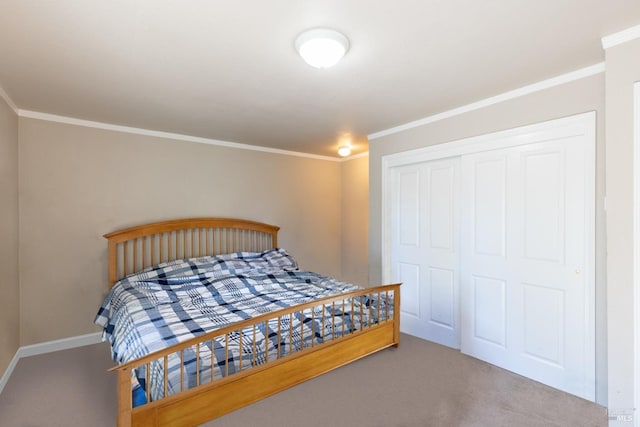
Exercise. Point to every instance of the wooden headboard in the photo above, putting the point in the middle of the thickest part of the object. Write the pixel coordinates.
(135, 248)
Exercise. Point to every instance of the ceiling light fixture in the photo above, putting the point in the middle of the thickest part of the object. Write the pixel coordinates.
(321, 47)
(344, 150)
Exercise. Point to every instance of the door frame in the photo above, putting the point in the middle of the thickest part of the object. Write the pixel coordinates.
(636, 245)
(578, 125)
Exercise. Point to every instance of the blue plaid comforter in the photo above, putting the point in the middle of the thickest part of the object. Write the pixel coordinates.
(175, 301)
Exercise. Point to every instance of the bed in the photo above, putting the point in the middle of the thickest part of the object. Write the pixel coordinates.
(207, 315)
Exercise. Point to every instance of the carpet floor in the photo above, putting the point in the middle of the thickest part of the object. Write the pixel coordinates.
(418, 384)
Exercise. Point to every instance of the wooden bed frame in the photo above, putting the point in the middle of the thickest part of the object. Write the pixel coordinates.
(135, 248)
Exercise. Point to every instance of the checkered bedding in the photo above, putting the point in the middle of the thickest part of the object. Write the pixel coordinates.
(175, 301)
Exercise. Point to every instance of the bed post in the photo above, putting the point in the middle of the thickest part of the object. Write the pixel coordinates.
(396, 316)
(124, 398)
(113, 273)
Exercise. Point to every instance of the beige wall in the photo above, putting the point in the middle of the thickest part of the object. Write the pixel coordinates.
(569, 99)
(77, 183)
(355, 221)
(9, 291)
(623, 69)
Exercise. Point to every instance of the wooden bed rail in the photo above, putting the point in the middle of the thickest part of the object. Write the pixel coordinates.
(372, 326)
(135, 248)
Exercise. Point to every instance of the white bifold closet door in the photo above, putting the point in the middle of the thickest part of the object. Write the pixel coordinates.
(522, 272)
(493, 253)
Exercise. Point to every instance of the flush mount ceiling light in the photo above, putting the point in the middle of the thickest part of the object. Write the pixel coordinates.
(322, 47)
(344, 150)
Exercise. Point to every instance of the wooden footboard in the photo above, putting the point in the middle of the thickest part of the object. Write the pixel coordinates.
(373, 327)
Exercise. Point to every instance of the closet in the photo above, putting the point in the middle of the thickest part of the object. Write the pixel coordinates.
(493, 239)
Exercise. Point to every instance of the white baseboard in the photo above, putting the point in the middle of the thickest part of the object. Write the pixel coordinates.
(57, 345)
(48, 347)
(9, 371)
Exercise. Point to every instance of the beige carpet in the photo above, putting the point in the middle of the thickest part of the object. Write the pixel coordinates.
(419, 384)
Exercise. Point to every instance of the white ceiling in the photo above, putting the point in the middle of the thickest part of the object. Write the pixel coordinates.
(228, 70)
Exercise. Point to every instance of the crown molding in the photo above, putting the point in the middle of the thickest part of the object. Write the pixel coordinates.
(621, 37)
(506, 96)
(355, 156)
(167, 135)
(8, 100)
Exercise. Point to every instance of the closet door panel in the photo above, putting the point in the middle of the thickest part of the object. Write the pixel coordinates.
(523, 298)
(407, 247)
(425, 237)
(485, 281)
